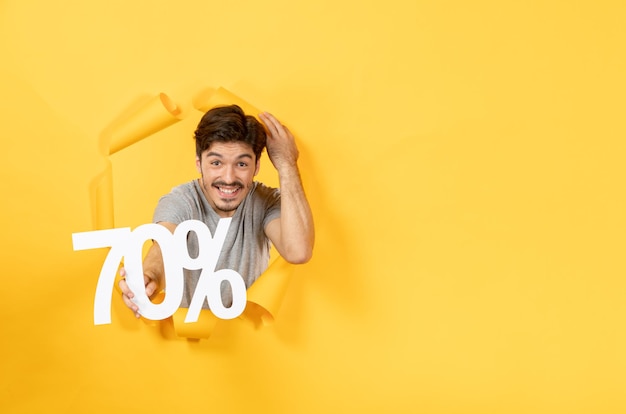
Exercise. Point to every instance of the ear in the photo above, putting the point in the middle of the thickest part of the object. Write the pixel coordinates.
(258, 166)
(198, 165)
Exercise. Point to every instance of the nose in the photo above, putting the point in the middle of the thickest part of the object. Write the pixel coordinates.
(229, 174)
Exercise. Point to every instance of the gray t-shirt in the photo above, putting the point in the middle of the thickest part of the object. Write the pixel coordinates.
(246, 248)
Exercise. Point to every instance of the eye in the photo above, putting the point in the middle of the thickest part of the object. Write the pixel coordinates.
(242, 164)
(215, 163)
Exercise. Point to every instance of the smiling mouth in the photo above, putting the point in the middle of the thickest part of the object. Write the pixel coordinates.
(228, 192)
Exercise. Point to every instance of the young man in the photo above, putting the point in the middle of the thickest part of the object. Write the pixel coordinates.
(228, 150)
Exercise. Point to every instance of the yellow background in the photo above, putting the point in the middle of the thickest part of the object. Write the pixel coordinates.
(464, 161)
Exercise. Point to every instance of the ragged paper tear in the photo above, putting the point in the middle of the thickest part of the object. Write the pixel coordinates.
(265, 296)
(221, 96)
(154, 115)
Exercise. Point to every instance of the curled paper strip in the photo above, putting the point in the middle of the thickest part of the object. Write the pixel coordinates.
(266, 294)
(222, 96)
(156, 114)
(201, 329)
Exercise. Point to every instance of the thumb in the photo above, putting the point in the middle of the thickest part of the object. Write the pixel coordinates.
(151, 287)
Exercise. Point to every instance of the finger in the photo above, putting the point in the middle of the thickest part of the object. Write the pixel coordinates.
(151, 287)
(125, 289)
(127, 295)
(288, 133)
(280, 129)
(272, 124)
(122, 283)
(268, 118)
(268, 124)
(131, 305)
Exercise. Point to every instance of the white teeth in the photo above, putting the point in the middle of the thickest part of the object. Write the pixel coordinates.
(223, 190)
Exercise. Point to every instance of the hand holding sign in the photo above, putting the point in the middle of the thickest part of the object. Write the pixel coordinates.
(128, 245)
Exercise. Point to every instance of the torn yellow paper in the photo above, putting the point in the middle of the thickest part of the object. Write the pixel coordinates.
(221, 96)
(202, 328)
(265, 297)
(266, 294)
(156, 114)
(102, 194)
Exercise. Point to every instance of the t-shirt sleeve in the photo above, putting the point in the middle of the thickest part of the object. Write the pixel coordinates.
(173, 208)
(272, 208)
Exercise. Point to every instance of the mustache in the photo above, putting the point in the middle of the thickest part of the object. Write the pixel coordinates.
(225, 184)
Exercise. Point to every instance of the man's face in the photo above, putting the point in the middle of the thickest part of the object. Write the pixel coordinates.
(228, 170)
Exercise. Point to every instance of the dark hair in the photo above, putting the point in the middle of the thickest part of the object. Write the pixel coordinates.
(229, 124)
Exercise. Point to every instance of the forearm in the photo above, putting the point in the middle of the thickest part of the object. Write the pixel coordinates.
(296, 220)
(292, 234)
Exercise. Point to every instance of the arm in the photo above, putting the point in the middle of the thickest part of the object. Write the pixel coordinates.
(292, 234)
(153, 274)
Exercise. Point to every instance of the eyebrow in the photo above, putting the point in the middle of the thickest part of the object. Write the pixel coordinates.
(216, 154)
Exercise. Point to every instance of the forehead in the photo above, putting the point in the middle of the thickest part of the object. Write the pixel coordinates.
(229, 149)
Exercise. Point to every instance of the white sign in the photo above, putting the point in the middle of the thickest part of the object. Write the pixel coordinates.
(126, 244)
